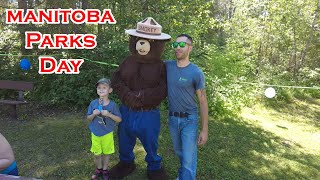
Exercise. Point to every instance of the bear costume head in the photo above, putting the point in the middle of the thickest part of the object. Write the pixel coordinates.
(147, 42)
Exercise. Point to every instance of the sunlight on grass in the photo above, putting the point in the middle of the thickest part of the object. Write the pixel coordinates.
(297, 137)
(277, 141)
(294, 126)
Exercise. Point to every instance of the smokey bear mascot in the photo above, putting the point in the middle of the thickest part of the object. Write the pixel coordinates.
(140, 83)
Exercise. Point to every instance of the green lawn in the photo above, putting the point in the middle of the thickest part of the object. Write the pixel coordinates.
(282, 142)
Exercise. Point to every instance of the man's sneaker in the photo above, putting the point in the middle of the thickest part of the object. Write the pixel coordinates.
(97, 174)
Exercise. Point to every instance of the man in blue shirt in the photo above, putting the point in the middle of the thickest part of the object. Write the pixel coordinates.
(186, 83)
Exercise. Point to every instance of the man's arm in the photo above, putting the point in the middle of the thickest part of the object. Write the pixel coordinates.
(203, 136)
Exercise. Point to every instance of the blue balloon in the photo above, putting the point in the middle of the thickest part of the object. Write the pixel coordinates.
(25, 64)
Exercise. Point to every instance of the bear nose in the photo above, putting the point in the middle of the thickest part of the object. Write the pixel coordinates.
(141, 43)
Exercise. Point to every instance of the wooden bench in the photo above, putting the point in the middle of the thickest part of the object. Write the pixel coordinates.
(21, 86)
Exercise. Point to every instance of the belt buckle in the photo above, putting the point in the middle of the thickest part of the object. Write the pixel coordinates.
(184, 114)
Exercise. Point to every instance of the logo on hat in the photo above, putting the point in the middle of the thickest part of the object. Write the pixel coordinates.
(150, 29)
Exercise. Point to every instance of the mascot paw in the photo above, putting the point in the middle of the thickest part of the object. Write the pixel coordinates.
(121, 170)
(158, 174)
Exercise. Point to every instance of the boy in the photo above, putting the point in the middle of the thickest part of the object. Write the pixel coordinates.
(102, 114)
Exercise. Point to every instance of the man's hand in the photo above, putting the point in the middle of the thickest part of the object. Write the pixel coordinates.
(203, 137)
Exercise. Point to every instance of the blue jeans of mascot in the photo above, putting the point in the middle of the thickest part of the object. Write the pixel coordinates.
(144, 125)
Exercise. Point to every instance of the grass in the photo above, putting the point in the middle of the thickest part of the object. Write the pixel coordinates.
(277, 141)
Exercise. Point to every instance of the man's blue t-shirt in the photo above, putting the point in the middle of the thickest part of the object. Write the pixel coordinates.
(182, 85)
(101, 125)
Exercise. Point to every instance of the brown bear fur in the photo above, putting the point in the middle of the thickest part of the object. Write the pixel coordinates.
(140, 80)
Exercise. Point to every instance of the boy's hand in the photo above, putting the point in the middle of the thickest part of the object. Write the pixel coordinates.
(105, 113)
(96, 112)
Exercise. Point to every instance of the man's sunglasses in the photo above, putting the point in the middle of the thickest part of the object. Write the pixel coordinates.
(181, 44)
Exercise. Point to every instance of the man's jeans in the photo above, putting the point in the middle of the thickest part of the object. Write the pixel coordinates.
(184, 138)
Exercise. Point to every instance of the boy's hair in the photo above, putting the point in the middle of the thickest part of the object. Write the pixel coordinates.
(104, 81)
(186, 35)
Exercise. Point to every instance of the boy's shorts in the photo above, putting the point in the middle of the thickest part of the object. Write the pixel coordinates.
(102, 144)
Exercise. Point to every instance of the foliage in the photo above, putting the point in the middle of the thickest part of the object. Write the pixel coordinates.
(271, 42)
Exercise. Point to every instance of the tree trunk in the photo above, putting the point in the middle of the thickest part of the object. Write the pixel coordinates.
(295, 51)
(22, 4)
(304, 53)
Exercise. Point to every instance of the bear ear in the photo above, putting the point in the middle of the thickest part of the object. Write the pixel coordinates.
(133, 38)
(132, 44)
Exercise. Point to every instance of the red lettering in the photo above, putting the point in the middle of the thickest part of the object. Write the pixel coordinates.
(76, 63)
(89, 41)
(78, 12)
(43, 16)
(61, 41)
(56, 16)
(43, 69)
(107, 16)
(46, 42)
(30, 38)
(30, 17)
(49, 65)
(65, 15)
(74, 41)
(63, 67)
(93, 16)
(12, 17)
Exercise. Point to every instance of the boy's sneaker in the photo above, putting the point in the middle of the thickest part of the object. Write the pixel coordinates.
(105, 174)
(98, 173)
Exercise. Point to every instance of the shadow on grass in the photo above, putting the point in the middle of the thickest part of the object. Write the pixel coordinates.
(58, 148)
(238, 150)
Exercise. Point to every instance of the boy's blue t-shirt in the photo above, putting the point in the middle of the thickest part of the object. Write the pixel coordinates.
(101, 125)
(182, 85)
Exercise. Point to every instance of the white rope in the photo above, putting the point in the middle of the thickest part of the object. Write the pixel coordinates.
(298, 87)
